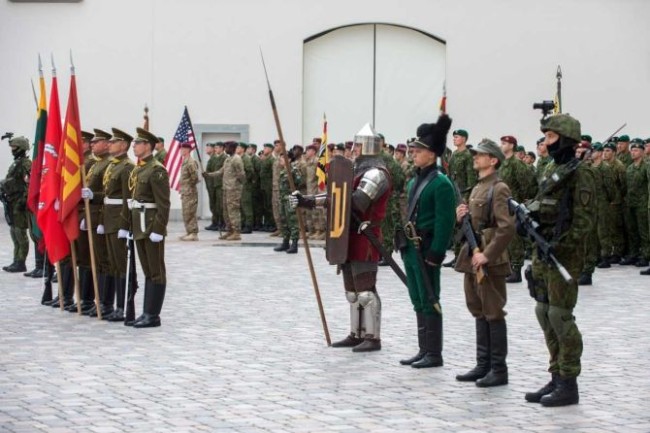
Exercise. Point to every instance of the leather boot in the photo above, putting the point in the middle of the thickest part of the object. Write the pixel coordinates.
(108, 300)
(349, 341)
(87, 290)
(615, 259)
(432, 343)
(630, 260)
(152, 310)
(450, 264)
(585, 279)
(17, 266)
(641, 263)
(101, 282)
(369, 344)
(246, 229)
(293, 249)
(604, 263)
(498, 374)
(145, 303)
(118, 314)
(646, 272)
(515, 276)
(564, 394)
(419, 317)
(37, 272)
(482, 353)
(67, 287)
(284, 246)
(536, 397)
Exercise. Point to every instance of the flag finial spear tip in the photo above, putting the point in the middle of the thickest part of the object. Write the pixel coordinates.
(71, 63)
(53, 65)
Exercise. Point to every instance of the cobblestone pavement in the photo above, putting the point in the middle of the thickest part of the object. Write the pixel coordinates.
(241, 349)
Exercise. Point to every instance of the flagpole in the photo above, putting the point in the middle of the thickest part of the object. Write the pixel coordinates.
(299, 214)
(196, 142)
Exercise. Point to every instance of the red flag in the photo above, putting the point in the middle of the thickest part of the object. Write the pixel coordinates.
(69, 166)
(323, 158)
(56, 242)
(173, 161)
(37, 155)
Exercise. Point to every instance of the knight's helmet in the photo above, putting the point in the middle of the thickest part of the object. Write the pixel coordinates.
(369, 140)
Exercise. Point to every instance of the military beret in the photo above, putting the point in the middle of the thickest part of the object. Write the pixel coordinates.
(209, 144)
(637, 143)
(243, 145)
(597, 146)
(331, 146)
(509, 139)
(349, 144)
(461, 132)
(614, 139)
(521, 148)
(313, 146)
(489, 147)
(586, 138)
(340, 146)
(219, 144)
(161, 140)
(253, 145)
(144, 135)
(584, 145)
(391, 147)
(532, 155)
(186, 145)
(298, 146)
(269, 145)
(87, 136)
(609, 145)
(401, 147)
(119, 135)
(100, 135)
(638, 140)
(541, 140)
(623, 138)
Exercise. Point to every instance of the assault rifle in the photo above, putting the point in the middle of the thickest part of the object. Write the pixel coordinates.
(469, 235)
(531, 227)
(4, 199)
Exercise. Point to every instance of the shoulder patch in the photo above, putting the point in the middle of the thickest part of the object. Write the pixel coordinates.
(584, 196)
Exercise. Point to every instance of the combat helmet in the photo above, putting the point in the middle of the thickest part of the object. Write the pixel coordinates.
(564, 125)
(20, 143)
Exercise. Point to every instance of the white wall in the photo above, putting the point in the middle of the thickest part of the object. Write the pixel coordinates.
(501, 57)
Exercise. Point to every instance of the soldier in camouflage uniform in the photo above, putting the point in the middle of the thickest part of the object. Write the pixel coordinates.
(209, 185)
(622, 150)
(543, 160)
(275, 199)
(462, 173)
(564, 208)
(636, 202)
(148, 214)
(518, 177)
(266, 183)
(617, 202)
(393, 217)
(291, 230)
(605, 187)
(258, 209)
(233, 176)
(189, 193)
(14, 192)
(247, 189)
(161, 153)
(316, 217)
(220, 156)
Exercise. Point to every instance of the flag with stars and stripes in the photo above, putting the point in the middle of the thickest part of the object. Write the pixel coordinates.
(184, 134)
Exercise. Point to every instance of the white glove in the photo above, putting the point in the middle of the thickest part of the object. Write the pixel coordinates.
(86, 193)
(100, 229)
(155, 237)
(82, 225)
(122, 234)
(57, 205)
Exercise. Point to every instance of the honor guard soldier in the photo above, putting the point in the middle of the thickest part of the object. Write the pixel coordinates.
(13, 193)
(485, 292)
(148, 214)
(428, 231)
(564, 208)
(116, 226)
(347, 246)
(94, 192)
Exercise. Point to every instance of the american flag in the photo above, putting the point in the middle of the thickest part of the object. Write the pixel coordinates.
(173, 162)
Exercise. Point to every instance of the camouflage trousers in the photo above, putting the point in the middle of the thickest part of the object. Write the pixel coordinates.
(604, 230)
(556, 300)
(189, 204)
(21, 243)
(592, 249)
(516, 252)
(639, 245)
(617, 229)
(391, 220)
(267, 207)
(275, 200)
(315, 219)
(289, 220)
(232, 209)
(216, 205)
(247, 206)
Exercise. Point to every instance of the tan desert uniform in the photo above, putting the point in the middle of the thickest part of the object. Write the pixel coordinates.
(233, 176)
(190, 194)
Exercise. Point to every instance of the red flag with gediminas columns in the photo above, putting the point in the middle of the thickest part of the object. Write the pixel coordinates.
(56, 242)
(69, 166)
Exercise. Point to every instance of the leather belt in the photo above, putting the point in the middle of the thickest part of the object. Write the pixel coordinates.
(113, 201)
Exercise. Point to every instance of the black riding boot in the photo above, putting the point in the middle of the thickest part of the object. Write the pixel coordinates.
(66, 281)
(482, 353)
(432, 343)
(102, 282)
(39, 259)
(284, 246)
(153, 307)
(293, 249)
(536, 397)
(108, 300)
(564, 394)
(118, 314)
(419, 317)
(498, 374)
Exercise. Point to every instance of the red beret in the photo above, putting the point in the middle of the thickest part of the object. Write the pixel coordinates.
(401, 147)
(584, 144)
(509, 139)
(349, 144)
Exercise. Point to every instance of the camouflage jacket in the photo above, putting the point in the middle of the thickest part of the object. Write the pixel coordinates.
(625, 158)
(16, 183)
(618, 170)
(636, 178)
(189, 177)
(518, 177)
(462, 173)
(542, 163)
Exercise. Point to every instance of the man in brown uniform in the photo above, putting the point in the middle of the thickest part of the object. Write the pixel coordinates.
(148, 214)
(116, 192)
(486, 297)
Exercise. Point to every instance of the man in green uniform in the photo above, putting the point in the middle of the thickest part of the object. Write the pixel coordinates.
(289, 217)
(161, 153)
(116, 227)
(485, 294)
(617, 202)
(605, 192)
(462, 173)
(247, 190)
(564, 208)
(430, 226)
(256, 187)
(622, 150)
(148, 213)
(543, 160)
(209, 185)
(636, 202)
(13, 190)
(393, 217)
(266, 183)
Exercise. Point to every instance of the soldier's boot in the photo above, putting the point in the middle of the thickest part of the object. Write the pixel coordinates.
(212, 227)
(224, 235)
(585, 279)
(630, 260)
(536, 397)
(293, 249)
(371, 311)
(482, 353)
(451, 263)
(101, 283)
(604, 263)
(234, 236)
(614, 259)
(17, 266)
(247, 229)
(646, 272)
(498, 374)
(419, 318)
(145, 302)
(284, 246)
(515, 276)
(354, 338)
(564, 394)
(67, 287)
(641, 263)
(190, 237)
(108, 301)
(120, 288)
(350, 341)
(153, 308)
(432, 343)
(37, 272)
(86, 290)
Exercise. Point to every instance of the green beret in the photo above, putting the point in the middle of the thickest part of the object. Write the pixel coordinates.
(87, 136)
(623, 138)
(161, 140)
(609, 145)
(243, 145)
(541, 140)
(253, 145)
(490, 147)
(100, 135)
(461, 132)
(210, 144)
(586, 138)
(637, 145)
(638, 140)
(521, 149)
(119, 135)
(269, 145)
(144, 135)
(597, 146)
(647, 140)
(219, 144)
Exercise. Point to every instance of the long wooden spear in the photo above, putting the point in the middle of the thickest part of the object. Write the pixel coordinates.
(301, 224)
